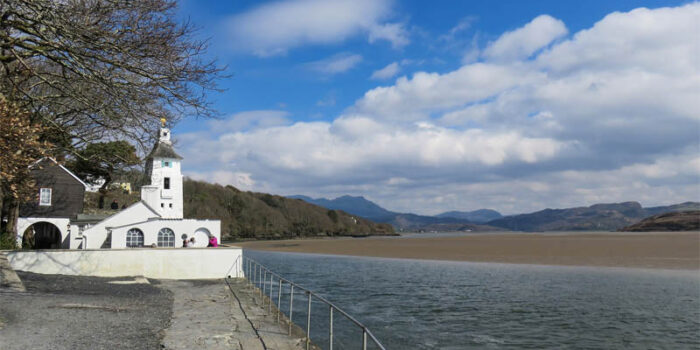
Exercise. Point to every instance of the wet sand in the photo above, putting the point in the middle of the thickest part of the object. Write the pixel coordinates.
(663, 250)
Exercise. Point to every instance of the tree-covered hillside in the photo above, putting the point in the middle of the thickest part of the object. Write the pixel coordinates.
(246, 215)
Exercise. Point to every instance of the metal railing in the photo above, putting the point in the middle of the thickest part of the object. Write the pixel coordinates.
(259, 276)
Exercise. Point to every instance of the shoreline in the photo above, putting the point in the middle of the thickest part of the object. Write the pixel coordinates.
(658, 250)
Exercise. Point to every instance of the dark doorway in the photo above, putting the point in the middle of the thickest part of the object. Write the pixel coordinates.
(42, 235)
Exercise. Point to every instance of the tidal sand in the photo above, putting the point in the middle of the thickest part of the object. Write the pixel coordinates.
(663, 250)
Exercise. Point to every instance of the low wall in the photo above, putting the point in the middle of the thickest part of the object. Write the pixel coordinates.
(161, 263)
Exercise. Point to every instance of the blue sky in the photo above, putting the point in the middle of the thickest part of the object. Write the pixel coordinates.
(452, 105)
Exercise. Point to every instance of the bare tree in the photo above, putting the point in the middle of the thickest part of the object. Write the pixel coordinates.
(19, 148)
(91, 70)
(86, 71)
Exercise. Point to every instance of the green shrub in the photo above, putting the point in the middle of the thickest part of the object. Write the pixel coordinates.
(7, 241)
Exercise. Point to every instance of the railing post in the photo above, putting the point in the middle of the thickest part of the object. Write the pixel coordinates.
(279, 301)
(308, 323)
(257, 273)
(364, 338)
(330, 328)
(264, 285)
(269, 306)
(291, 307)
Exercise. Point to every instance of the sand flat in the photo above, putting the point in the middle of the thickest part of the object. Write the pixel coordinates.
(663, 250)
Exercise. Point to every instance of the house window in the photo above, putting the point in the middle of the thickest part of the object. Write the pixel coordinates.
(134, 238)
(166, 164)
(166, 183)
(166, 237)
(45, 196)
(171, 205)
(162, 205)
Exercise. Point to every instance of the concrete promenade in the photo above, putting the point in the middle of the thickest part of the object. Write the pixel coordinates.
(207, 315)
(80, 312)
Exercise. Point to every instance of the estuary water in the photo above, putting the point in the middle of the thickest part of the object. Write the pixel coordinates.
(419, 304)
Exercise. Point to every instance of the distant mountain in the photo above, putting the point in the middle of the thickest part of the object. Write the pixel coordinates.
(251, 215)
(477, 216)
(597, 217)
(687, 206)
(367, 209)
(673, 221)
(352, 205)
(604, 217)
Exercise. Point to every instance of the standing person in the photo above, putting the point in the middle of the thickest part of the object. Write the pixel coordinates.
(191, 244)
(213, 242)
(185, 242)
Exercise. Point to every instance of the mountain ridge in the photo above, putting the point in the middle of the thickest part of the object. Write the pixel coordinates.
(599, 216)
(476, 216)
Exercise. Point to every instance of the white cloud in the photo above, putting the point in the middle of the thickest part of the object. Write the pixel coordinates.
(461, 26)
(395, 33)
(276, 27)
(410, 98)
(387, 72)
(242, 181)
(339, 63)
(543, 120)
(524, 41)
(250, 120)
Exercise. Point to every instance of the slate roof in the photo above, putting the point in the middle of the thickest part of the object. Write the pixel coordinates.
(163, 150)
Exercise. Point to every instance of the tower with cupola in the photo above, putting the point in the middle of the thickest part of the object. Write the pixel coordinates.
(163, 168)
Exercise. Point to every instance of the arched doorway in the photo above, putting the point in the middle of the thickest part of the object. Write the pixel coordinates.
(42, 235)
(201, 237)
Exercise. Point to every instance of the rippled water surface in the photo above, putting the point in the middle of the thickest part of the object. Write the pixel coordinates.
(415, 304)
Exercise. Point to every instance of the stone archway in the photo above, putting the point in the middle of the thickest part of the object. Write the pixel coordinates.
(42, 235)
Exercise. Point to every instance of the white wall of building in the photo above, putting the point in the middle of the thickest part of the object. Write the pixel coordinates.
(181, 227)
(96, 235)
(160, 263)
(168, 202)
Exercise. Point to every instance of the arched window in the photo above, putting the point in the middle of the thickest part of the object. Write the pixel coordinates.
(134, 238)
(166, 237)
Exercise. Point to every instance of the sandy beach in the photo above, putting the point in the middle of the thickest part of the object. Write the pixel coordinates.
(663, 250)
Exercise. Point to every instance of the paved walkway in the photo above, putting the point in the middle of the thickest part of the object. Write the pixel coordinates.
(71, 312)
(61, 312)
(207, 315)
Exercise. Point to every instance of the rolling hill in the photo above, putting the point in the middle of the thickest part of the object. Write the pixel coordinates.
(673, 221)
(402, 221)
(598, 217)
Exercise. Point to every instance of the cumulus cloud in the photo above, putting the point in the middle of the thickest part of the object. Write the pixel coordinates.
(543, 119)
(339, 63)
(524, 41)
(276, 27)
(387, 72)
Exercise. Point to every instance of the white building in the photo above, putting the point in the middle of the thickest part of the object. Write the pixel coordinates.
(158, 218)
